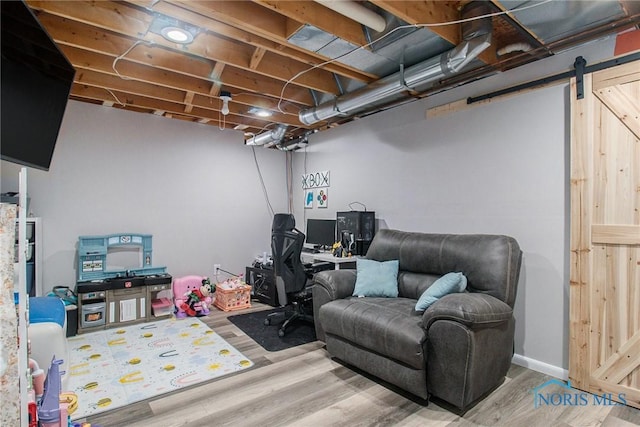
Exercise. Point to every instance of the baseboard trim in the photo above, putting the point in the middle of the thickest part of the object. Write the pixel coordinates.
(539, 366)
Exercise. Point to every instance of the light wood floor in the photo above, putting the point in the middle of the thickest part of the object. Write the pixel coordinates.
(303, 386)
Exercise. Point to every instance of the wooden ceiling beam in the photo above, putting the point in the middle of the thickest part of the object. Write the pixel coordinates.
(257, 56)
(188, 100)
(216, 75)
(103, 64)
(117, 17)
(205, 45)
(433, 12)
(267, 24)
(312, 13)
(426, 12)
(107, 81)
(158, 57)
(275, 44)
(160, 100)
(141, 102)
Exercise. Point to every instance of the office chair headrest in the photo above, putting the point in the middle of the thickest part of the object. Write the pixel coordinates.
(283, 222)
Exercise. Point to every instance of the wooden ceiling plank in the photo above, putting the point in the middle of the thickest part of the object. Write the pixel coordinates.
(205, 46)
(108, 15)
(94, 78)
(215, 89)
(130, 70)
(239, 13)
(257, 56)
(133, 88)
(433, 12)
(255, 100)
(310, 12)
(295, 26)
(248, 100)
(135, 100)
(73, 34)
(216, 73)
(203, 69)
(524, 28)
(426, 12)
(118, 17)
(188, 100)
(283, 68)
(267, 25)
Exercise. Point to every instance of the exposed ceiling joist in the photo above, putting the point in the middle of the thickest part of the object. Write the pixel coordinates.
(256, 51)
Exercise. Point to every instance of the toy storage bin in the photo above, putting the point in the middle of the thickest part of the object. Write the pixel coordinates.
(161, 307)
(237, 298)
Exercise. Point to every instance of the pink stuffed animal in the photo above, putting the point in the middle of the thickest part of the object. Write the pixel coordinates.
(191, 296)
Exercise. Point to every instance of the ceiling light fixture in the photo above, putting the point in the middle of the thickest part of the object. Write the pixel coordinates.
(260, 112)
(177, 35)
(173, 30)
(225, 97)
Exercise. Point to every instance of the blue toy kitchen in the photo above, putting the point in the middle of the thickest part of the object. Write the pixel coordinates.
(112, 294)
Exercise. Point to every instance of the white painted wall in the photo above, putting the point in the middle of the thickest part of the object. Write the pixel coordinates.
(497, 168)
(191, 186)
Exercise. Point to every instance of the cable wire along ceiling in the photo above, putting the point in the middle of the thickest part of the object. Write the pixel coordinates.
(281, 70)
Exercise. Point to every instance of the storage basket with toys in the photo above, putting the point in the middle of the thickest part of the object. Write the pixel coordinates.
(233, 294)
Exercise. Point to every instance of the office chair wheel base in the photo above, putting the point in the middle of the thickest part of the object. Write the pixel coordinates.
(267, 322)
(281, 333)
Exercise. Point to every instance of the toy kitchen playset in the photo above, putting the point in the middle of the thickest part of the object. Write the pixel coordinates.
(111, 296)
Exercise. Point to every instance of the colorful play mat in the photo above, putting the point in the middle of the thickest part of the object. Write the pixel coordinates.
(116, 367)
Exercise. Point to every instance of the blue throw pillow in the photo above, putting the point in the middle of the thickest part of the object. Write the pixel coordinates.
(376, 279)
(447, 284)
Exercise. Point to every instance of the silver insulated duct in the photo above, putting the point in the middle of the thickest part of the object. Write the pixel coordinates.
(476, 37)
(269, 138)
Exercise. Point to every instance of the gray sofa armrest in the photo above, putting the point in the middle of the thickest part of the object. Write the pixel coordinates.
(474, 310)
(328, 286)
(337, 284)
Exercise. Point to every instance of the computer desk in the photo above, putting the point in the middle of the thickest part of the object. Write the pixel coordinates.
(327, 256)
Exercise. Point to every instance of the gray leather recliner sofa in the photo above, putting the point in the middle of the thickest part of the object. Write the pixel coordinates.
(460, 348)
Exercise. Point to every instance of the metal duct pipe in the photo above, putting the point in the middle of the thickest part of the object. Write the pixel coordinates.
(268, 138)
(357, 12)
(476, 38)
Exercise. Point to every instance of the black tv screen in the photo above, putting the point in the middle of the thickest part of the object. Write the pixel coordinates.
(36, 81)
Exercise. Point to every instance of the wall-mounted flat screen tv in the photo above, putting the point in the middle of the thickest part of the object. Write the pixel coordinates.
(36, 81)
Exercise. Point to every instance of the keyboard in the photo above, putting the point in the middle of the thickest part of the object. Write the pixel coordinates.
(310, 250)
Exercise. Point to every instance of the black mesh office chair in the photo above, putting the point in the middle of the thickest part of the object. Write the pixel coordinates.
(291, 275)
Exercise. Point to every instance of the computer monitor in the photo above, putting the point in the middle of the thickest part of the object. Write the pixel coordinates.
(321, 232)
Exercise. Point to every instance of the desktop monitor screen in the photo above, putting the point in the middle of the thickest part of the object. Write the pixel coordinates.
(321, 232)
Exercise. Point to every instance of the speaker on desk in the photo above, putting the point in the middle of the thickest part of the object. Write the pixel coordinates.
(359, 224)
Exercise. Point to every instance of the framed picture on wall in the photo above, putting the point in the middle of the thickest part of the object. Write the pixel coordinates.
(308, 199)
(323, 198)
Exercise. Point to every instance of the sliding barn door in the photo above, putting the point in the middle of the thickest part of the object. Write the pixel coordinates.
(604, 355)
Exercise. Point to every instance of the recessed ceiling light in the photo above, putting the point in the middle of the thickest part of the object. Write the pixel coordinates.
(260, 112)
(177, 35)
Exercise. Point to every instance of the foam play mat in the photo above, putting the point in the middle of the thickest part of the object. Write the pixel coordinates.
(116, 367)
